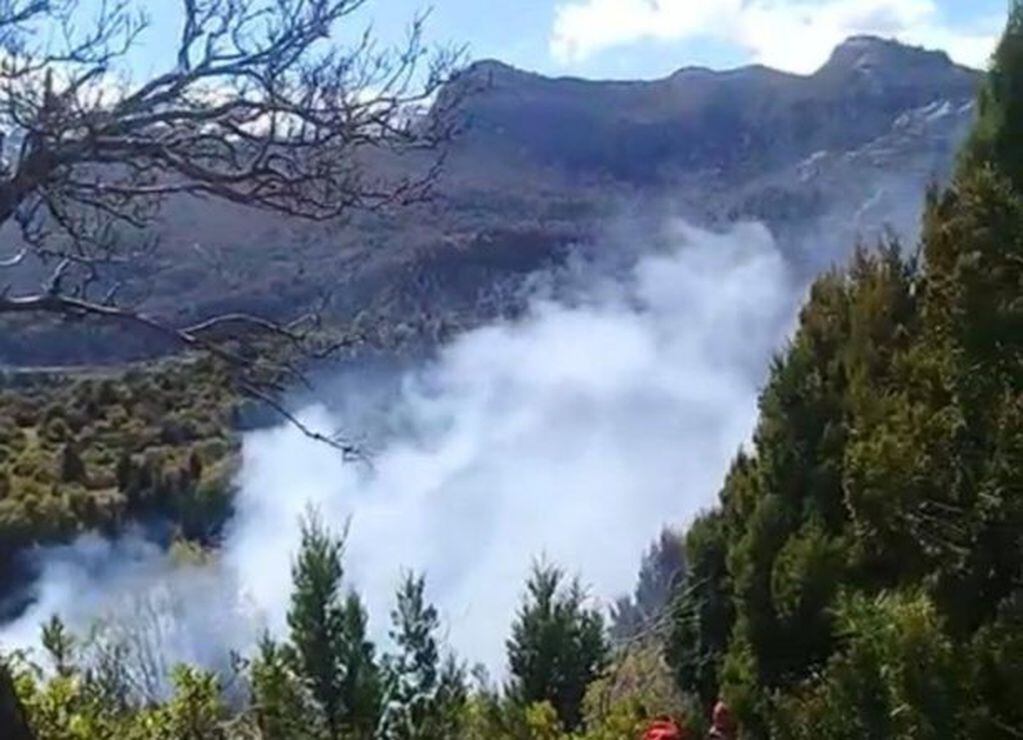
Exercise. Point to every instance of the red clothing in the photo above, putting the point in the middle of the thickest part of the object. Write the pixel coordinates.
(664, 729)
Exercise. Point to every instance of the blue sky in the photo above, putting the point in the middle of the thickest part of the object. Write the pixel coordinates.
(651, 38)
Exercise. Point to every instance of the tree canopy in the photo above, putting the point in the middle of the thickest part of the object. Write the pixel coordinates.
(866, 559)
(860, 576)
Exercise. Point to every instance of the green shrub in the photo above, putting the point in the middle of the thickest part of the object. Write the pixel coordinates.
(56, 430)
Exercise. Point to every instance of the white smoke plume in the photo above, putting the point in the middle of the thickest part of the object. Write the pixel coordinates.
(574, 433)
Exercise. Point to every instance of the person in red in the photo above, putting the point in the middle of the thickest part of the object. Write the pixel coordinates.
(664, 728)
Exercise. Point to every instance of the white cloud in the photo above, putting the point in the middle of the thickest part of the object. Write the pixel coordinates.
(794, 35)
(582, 28)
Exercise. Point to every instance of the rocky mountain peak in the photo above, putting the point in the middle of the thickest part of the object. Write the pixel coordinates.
(876, 56)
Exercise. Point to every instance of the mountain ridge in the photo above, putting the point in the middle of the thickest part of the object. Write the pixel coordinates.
(546, 163)
(859, 43)
(743, 119)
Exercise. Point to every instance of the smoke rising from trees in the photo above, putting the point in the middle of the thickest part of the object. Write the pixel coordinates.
(571, 433)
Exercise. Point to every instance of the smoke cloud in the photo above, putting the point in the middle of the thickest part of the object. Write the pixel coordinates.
(612, 406)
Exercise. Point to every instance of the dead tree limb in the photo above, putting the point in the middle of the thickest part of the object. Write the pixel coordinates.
(260, 106)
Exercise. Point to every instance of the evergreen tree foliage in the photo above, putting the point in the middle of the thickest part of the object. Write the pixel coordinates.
(863, 573)
(860, 577)
(283, 705)
(662, 568)
(899, 675)
(361, 682)
(557, 646)
(59, 643)
(997, 138)
(425, 691)
(328, 636)
(316, 617)
(701, 614)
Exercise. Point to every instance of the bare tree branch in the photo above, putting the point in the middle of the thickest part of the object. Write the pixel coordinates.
(258, 110)
(259, 107)
(260, 375)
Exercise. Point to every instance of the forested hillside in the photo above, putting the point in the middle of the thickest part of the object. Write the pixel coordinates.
(863, 574)
(99, 451)
(860, 577)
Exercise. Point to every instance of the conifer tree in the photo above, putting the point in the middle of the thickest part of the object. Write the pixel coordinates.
(662, 568)
(60, 644)
(317, 619)
(361, 684)
(997, 137)
(557, 647)
(873, 529)
(424, 693)
(701, 615)
(72, 468)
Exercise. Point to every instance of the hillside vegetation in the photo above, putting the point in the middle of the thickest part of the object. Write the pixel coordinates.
(95, 452)
(861, 576)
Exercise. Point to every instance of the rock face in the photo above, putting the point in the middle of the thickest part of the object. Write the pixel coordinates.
(545, 163)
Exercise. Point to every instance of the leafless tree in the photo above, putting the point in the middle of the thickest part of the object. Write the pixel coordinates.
(261, 106)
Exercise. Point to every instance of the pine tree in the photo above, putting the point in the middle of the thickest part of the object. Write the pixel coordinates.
(361, 684)
(557, 646)
(868, 548)
(329, 638)
(997, 137)
(663, 567)
(317, 619)
(423, 695)
(72, 469)
(59, 643)
(701, 613)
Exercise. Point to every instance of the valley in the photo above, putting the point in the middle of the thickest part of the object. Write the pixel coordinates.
(688, 405)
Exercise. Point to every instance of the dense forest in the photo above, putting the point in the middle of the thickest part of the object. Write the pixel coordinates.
(98, 450)
(863, 573)
(861, 576)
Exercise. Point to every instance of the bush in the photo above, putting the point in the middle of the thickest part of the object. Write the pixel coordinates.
(56, 430)
(61, 442)
(33, 464)
(899, 675)
(24, 412)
